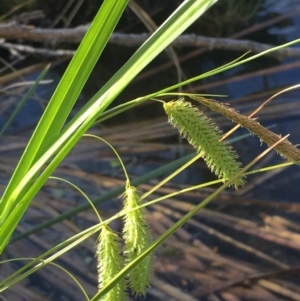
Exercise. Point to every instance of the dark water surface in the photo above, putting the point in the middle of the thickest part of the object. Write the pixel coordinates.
(283, 122)
(281, 186)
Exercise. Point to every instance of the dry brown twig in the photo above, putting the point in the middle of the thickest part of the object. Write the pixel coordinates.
(14, 30)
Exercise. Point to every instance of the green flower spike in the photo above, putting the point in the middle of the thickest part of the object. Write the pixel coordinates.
(110, 264)
(137, 239)
(205, 137)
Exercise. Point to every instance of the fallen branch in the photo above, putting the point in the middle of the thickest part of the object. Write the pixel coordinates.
(14, 30)
(34, 50)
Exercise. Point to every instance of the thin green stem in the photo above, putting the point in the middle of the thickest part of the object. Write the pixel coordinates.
(60, 249)
(175, 173)
(114, 150)
(81, 192)
(56, 265)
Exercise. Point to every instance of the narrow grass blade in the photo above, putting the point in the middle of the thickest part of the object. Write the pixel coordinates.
(65, 95)
(24, 100)
(20, 192)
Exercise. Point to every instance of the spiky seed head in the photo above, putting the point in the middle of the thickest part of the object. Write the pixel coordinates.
(110, 264)
(205, 137)
(137, 237)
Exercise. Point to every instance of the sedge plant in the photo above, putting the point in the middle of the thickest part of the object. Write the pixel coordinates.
(53, 138)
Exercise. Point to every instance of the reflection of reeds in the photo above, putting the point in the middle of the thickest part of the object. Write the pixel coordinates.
(286, 149)
(205, 137)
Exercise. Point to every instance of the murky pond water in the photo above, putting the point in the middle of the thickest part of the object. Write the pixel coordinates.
(246, 88)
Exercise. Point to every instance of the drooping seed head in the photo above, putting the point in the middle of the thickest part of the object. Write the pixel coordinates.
(137, 239)
(110, 264)
(205, 137)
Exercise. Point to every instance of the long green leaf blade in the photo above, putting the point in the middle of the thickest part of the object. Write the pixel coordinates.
(187, 13)
(65, 95)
